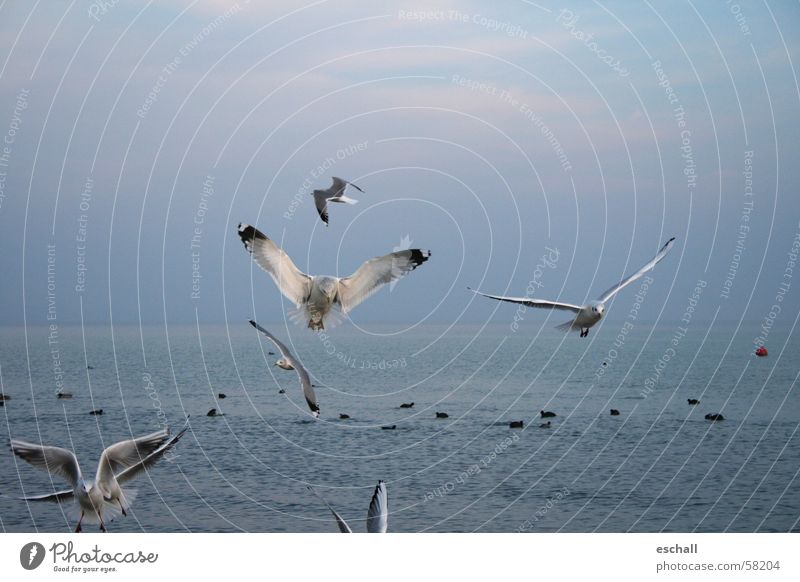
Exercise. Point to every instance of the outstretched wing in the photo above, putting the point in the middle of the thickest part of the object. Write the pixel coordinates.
(127, 453)
(378, 514)
(529, 302)
(343, 527)
(293, 283)
(376, 273)
(55, 460)
(339, 185)
(648, 267)
(57, 497)
(321, 202)
(305, 380)
(136, 469)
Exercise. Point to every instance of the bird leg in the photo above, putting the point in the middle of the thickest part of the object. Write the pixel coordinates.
(584, 331)
(78, 527)
(124, 513)
(103, 526)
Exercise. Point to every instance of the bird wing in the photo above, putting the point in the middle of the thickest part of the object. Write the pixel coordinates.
(147, 462)
(321, 202)
(57, 497)
(648, 267)
(530, 302)
(305, 380)
(55, 460)
(126, 453)
(378, 514)
(376, 273)
(343, 527)
(291, 281)
(338, 186)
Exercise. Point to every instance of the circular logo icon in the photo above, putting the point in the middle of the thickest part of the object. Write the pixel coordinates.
(31, 555)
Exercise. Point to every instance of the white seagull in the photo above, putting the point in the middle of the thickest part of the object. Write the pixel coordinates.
(592, 312)
(305, 380)
(315, 296)
(105, 497)
(333, 194)
(284, 364)
(377, 515)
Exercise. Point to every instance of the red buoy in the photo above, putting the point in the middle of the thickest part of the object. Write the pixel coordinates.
(761, 352)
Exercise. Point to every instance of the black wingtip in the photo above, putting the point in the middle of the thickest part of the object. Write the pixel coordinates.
(249, 233)
(419, 256)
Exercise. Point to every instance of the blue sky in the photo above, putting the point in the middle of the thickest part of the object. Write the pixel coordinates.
(486, 132)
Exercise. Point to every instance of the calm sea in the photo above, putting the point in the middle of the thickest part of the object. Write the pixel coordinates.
(658, 465)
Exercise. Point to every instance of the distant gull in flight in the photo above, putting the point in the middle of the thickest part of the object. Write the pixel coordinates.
(377, 515)
(315, 296)
(305, 380)
(333, 194)
(105, 497)
(592, 312)
(284, 364)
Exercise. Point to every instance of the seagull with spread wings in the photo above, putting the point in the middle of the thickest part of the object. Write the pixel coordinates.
(377, 514)
(333, 194)
(589, 314)
(302, 374)
(105, 497)
(316, 296)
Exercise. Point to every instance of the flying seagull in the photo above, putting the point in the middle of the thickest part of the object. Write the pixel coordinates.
(333, 194)
(315, 296)
(592, 312)
(377, 515)
(284, 364)
(305, 381)
(105, 497)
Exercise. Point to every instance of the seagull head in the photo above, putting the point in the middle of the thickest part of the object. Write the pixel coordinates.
(598, 308)
(328, 286)
(84, 486)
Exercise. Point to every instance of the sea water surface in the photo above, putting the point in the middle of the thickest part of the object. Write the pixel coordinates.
(657, 466)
